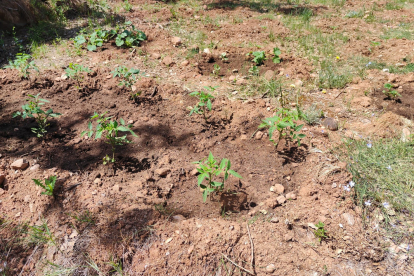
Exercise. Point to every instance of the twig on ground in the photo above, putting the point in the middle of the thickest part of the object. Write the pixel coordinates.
(248, 271)
(251, 243)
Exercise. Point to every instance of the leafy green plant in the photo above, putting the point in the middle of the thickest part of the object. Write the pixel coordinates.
(33, 110)
(224, 57)
(22, 64)
(284, 123)
(216, 69)
(204, 103)
(209, 169)
(389, 92)
(320, 232)
(259, 57)
(277, 53)
(48, 186)
(129, 38)
(110, 129)
(128, 77)
(127, 6)
(74, 71)
(254, 70)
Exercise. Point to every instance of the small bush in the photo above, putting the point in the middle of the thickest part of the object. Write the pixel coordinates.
(49, 185)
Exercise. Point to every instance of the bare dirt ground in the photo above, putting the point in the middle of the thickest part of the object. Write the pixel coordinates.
(146, 212)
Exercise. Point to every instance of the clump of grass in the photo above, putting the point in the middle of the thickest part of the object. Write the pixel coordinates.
(333, 76)
(260, 86)
(383, 172)
(312, 115)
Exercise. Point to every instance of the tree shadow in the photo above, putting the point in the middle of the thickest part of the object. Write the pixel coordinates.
(265, 6)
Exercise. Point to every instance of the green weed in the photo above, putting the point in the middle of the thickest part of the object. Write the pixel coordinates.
(110, 129)
(333, 76)
(276, 57)
(23, 64)
(320, 232)
(75, 71)
(128, 77)
(204, 103)
(258, 57)
(33, 110)
(389, 92)
(40, 234)
(209, 169)
(312, 115)
(48, 186)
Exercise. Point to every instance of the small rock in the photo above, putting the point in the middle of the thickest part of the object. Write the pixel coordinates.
(278, 188)
(20, 164)
(307, 191)
(35, 167)
(168, 61)
(116, 188)
(97, 181)
(241, 81)
(330, 123)
(274, 220)
(178, 218)
(349, 218)
(63, 76)
(259, 135)
(162, 171)
(176, 41)
(156, 55)
(243, 137)
(362, 101)
(190, 249)
(194, 172)
(270, 268)
(269, 75)
(288, 237)
(18, 214)
(58, 79)
(207, 51)
(270, 203)
(334, 185)
(281, 199)
(31, 208)
(232, 78)
(16, 129)
(298, 83)
(311, 225)
(27, 198)
(291, 195)
(405, 135)
(1, 191)
(185, 63)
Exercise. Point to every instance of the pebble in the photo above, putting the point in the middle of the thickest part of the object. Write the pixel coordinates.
(281, 199)
(20, 164)
(274, 220)
(349, 218)
(116, 188)
(176, 41)
(35, 167)
(330, 123)
(162, 171)
(259, 135)
(270, 268)
(291, 195)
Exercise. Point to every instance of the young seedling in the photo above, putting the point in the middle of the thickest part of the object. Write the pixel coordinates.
(389, 92)
(216, 70)
(74, 71)
(33, 110)
(224, 57)
(128, 77)
(204, 103)
(320, 232)
(130, 38)
(209, 170)
(277, 53)
(49, 185)
(258, 57)
(110, 129)
(22, 64)
(254, 70)
(284, 123)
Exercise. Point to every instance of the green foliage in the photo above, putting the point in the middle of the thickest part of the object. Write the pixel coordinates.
(224, 57)
(216, 69)
(204, 103)
(333, 76)
(128, 77)
(210, 169)
(284, 123)
(84, 217)
(130, 38)
(33, 110)
(311, 115)
(109, 129)
(127, 6)
(258, 57)
(40, 235)
(22, 63)
(49, 185)
(389, 92)
(320, 232)
(277, 53)
(254, 70)
(74, 71)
